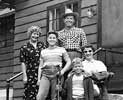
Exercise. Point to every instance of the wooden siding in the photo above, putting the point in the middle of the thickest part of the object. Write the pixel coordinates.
(34, 12)
(6, 60)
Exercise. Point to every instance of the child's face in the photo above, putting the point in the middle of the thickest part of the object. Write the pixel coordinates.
(78, 68)
(52, 39)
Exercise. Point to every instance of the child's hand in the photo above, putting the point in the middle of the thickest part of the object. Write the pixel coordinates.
(58, 87)
(24, 79)
(38, 82)
(87, 74)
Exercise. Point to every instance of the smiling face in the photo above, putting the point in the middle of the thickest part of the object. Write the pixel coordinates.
(78, 68)
(52, 39)
(69, 21)
(34, 36)
(88, 52)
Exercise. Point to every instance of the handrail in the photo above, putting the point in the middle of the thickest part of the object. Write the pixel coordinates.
(15, 76)
(8, 83)
(96, 51)
(113, 51)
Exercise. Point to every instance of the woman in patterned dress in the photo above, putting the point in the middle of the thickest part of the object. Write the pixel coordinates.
(29, 58)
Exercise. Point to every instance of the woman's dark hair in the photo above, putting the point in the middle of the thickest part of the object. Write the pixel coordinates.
(55, 33)
(88, 46)
(52, 32)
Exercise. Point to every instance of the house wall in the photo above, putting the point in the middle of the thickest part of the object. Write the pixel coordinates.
(6, 53)
(34, 12)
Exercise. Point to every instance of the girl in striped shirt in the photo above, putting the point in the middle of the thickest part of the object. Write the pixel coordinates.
(50, 62)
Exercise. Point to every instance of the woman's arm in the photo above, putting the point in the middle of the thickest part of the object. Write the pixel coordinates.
(22, 57)
(39, 70)
(23, 66)
(68, 62)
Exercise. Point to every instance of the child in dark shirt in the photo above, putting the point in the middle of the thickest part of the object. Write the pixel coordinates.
(78, 86)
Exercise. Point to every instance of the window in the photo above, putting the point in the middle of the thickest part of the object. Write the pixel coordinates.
(55, 12)
(7, 31)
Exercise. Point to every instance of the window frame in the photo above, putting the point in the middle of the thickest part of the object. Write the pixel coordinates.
(63, 4)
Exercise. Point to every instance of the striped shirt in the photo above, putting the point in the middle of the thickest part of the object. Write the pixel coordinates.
(75, 38)
(53, 56)
(77, 87)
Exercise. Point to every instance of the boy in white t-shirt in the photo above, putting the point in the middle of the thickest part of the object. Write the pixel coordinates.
(78, 85)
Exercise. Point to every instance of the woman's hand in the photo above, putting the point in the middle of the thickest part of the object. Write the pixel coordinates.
(62, 72)
(38, 82)
(58, 87)
(25, 79)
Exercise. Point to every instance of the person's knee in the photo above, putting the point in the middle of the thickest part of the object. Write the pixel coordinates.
(41, 96)
(96, 93)
(96, 90)
(38, 97)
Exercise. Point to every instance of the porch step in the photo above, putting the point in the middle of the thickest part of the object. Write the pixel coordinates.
(115, 96)
(3, 94)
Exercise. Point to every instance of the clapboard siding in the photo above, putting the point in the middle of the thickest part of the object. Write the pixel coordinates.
(18, 69)
(6, 60)
(6, 63)
(89, 25)
(23, 28)
(6, 56)
(34, 12)
(90, 29)
(5, 70)
(29, 3)
(28, 19)
(85, 21)
(92, 38)
(87, 3)
(18, 84)
(3, 84)
(3, 77)
(7, 49)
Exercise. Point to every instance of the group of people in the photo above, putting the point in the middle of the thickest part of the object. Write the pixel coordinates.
(41, 64)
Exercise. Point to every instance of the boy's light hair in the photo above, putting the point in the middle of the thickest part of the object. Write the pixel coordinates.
(77, 60)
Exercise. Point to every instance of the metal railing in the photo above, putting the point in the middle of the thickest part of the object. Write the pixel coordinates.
(8, 83)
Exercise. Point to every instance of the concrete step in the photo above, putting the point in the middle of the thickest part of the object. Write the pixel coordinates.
(3, 94)
(115, 96)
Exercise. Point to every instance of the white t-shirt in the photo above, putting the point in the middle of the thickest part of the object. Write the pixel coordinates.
(77, 86)
(94, 66)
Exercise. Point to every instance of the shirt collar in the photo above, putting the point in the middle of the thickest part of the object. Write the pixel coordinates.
(69, 29)
(90, 61)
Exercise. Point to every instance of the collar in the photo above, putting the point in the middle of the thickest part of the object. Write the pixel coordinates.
(65, 30)
(91, 61)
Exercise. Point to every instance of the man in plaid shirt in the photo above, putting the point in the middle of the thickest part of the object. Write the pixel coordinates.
(71, 37)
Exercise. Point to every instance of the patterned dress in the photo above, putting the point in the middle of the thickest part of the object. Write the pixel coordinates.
(30, 56)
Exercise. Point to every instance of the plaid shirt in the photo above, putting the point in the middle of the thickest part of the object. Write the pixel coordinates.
(73, 39)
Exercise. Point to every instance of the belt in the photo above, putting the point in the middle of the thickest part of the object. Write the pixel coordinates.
(72, 50)
(78, 99)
